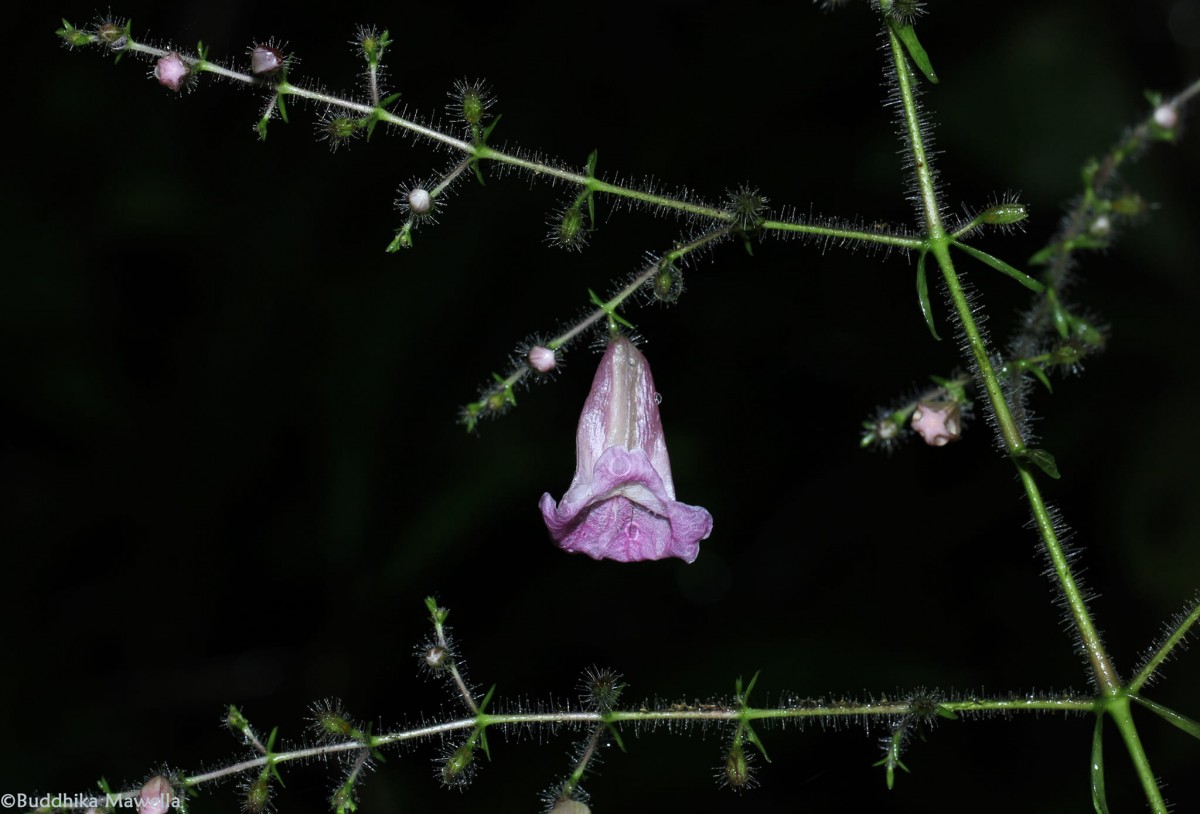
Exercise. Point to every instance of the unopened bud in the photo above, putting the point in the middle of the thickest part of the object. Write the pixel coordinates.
(236, 720)
(156, 796)
(420, 201)
(172, 71)
(371, 43)
(541, 359)
(571, 231)
(737, 768)
(1166, 117)
(569, 806)
(1005, 213)
(331, 722)
(1101, 226)
(668, 283)
(74, 37)
(456, 770)
(1131, 204)
(265, 60)
(258, 795)
(473, 106)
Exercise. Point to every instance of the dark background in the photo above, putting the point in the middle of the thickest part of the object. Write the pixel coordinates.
(232, 469)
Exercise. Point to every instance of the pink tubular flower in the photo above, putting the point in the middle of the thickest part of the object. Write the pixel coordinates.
(621, 504)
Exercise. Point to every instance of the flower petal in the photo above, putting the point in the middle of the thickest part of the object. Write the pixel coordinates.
(623, 512)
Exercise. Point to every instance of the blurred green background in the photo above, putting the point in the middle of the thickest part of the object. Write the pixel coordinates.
(233, 471)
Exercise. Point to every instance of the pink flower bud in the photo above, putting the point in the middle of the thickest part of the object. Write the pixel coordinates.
(171, 71)
(156, 797)
(938, 422)
(265, 60)
(543, 360)
(621, 504)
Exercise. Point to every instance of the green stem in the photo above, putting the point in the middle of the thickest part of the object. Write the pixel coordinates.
(483, 152)
(1173, 640)
(679, 713)
(939, 246)
(1122, 716)
(1105, 674)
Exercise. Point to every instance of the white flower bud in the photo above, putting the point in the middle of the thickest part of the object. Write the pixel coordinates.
(420, 201)
(1166, 117)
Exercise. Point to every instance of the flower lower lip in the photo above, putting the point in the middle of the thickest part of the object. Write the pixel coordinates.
(621, 504)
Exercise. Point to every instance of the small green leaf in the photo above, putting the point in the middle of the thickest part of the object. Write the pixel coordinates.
(750, 688)
(487, 698)
(613, 317)
(946, 712)
(262, 128)
(1042, 459)
(487, 132)
(591, 161)
(369, 741)
(752, 736)
(1098, 797)
(908, 35)
(1042, 256)
(282, 108)
(923, 295)
(1040, 375)
(1182, 721)
(612, 730)
(388, 100)
(999, 265)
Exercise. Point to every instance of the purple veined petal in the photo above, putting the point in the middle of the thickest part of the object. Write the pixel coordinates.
(621, 503)
(622, 410)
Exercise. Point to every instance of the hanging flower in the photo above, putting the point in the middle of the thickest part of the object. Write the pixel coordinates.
(621, 504)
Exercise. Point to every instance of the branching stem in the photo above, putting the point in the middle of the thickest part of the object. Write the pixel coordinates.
(1104, 673)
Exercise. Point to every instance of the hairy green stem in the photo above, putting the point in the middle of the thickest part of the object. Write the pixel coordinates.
(1173, 640)
(617, 299)
(1119, 709)
(1105, 674)
(939, 246)
(483, 152)
(675, 713)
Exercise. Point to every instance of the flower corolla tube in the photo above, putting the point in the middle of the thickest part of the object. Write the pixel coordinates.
(621, 503)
